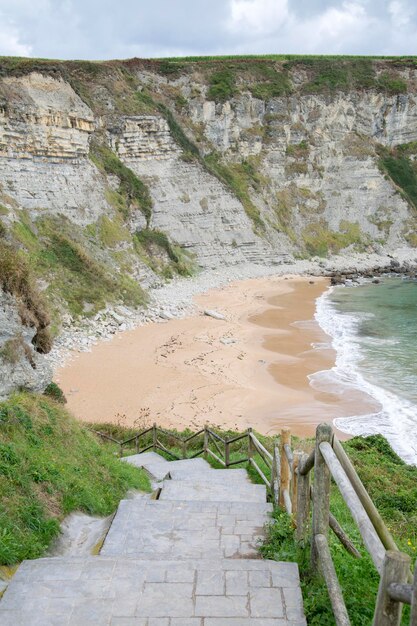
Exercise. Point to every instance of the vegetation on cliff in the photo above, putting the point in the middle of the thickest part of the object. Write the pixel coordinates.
(131, 188)
(50, 465)
(401, 166)
(17, 279)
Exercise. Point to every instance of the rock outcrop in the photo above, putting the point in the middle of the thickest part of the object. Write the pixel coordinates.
(21, 367)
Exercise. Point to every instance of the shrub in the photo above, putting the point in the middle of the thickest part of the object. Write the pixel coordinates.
(148, 240)
(55, 392)
(393, 85)
(238, 177)
(222, 86)
(279, 86)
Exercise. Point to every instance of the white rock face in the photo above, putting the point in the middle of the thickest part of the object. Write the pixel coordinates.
(45, 130)
(191, 205)
(337, 179)
(27, 369)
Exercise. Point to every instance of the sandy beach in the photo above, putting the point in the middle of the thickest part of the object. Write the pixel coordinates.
(250, 369)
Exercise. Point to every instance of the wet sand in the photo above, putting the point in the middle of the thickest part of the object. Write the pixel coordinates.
(249, 370)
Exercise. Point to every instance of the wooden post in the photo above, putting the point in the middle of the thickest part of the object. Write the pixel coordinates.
(297, 457)
(285, 469)
(137, 445)
(395, 570)
(274, 485)
(333, 587)
(303, 504)
(413, 612)
(321, 493)
(205, 442)
(154, 438)
(227, 453)
(250, 444)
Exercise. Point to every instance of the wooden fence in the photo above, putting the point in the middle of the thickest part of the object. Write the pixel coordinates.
(206, 442)
(329, 461)
(287, 476)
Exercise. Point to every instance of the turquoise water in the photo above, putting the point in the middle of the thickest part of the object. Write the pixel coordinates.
(374, 331)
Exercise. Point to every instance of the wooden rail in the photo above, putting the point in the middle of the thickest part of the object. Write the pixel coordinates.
(212, 445)
(287, 475)
(330, 461)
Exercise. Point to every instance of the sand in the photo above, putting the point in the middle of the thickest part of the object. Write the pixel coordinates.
(249, 370)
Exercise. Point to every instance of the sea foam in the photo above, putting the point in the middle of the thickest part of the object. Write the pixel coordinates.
(397, 418)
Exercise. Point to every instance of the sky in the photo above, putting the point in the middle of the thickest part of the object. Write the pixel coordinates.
(117, 29)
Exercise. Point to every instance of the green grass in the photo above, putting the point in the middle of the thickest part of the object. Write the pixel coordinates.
(402, 171)
(319, 240)
(239, 178)
(392, 486)
(76, 275)
(222, 86)
(131, 187)
(50, 465)
(150, 243)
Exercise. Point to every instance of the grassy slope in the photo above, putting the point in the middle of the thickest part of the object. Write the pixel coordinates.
(50, 465)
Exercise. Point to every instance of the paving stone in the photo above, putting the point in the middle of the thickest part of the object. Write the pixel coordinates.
(184, 490)
(140, 460)
(210, 583)
(221, 606)
(167, 529)
(266, 603)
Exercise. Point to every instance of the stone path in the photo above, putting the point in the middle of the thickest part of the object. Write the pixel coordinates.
(187, 559)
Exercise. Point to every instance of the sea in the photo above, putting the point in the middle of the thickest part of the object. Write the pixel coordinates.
(373, 329)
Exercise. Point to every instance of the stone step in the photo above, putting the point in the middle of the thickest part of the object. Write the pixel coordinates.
(155, 529)
(214, 476)
(202, 491)
(119, 591)
(159, 468)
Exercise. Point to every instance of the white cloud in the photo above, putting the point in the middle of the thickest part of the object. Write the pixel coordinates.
(257, 17)
(332, 29)
(95, 29)
(10, 44)
(275, 28)
(401, 14)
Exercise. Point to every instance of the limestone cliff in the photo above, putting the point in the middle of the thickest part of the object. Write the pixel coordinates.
(117, 175)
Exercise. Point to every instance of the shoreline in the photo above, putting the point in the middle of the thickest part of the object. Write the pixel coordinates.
(173, 300)
(250, 369)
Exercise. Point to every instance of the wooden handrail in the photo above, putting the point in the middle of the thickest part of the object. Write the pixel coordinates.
(260, 447)
(193, 436)
(370, 537)
(307, 464)
(369, 506)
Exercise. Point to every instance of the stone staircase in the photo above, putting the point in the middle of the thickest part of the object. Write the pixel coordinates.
(187, 559)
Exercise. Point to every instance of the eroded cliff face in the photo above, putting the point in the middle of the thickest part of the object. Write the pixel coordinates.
(21, 367)
(116, 176)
